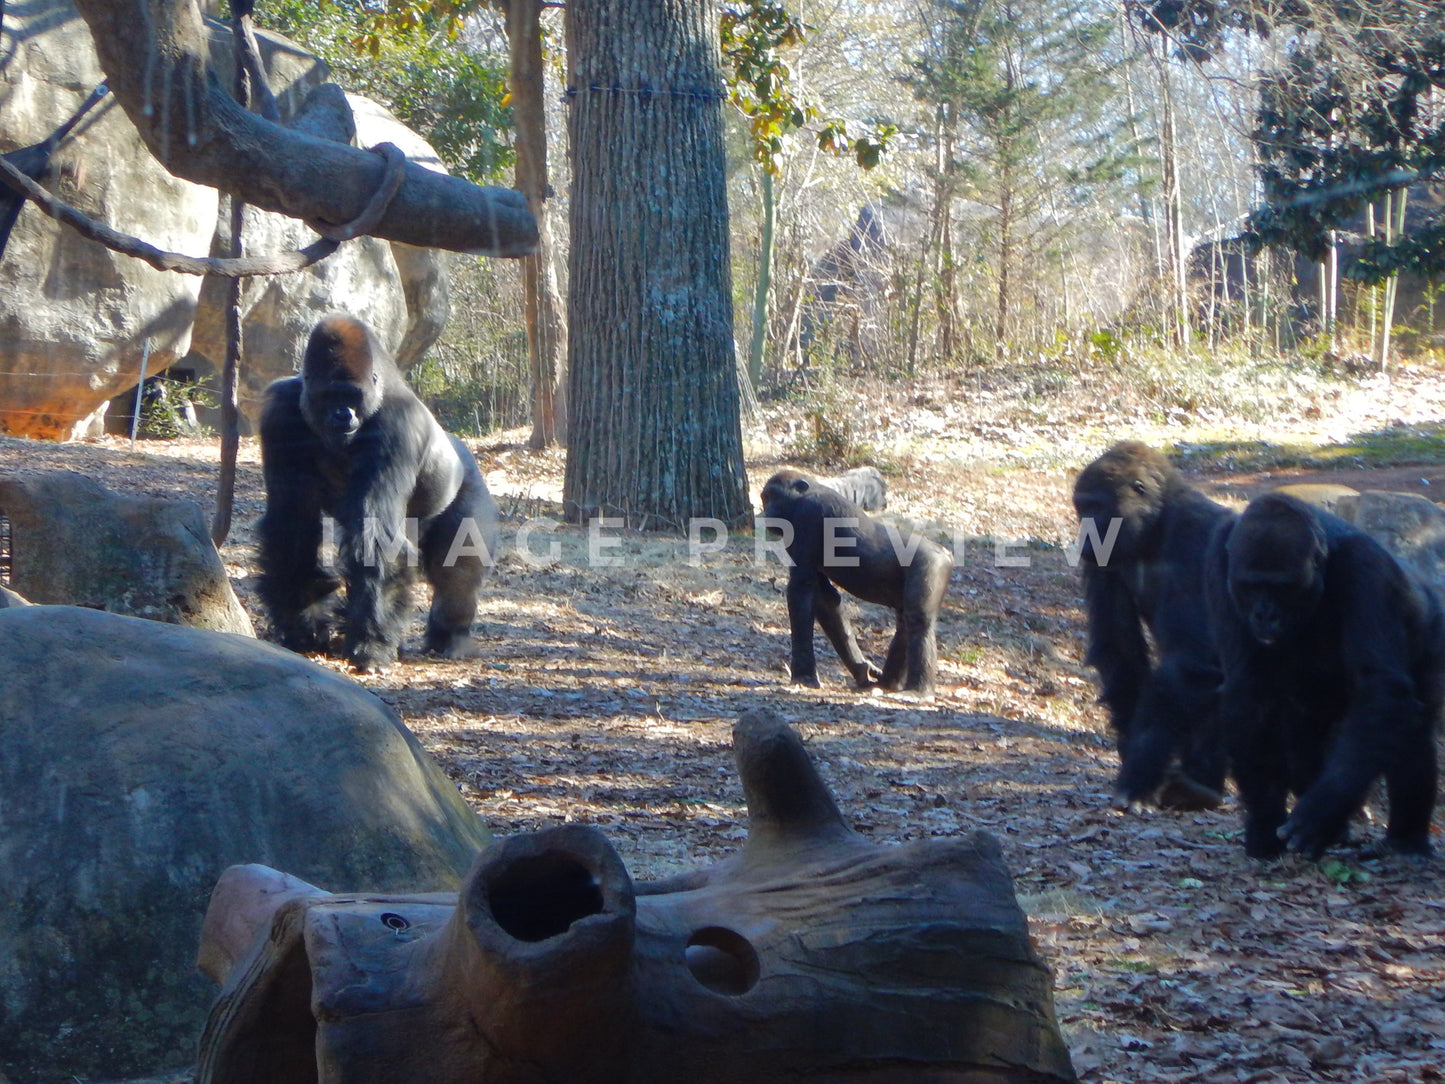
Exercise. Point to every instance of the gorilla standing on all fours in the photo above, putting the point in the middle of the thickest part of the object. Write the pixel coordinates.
(348, 438)
(1151, 577)
(1334, 676)
(834, 541)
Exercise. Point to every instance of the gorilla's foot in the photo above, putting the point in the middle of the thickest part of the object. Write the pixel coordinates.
(1184, 795)
(369, 656)
(450, 645)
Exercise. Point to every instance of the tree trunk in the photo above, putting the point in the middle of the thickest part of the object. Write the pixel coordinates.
(655, 433)
(1174, 206)
(1005, 259)
(765, 280)
(1394, 229)
(546, 331)
(811, 954)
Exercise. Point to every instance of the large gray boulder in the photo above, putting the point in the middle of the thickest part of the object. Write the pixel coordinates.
(138, 761)
(77, 318)
(1410, 526)
(74, 542)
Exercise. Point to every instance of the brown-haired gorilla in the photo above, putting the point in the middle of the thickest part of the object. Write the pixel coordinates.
(1334, 677)
(1144, 535)
(833, 541)
(349, 439)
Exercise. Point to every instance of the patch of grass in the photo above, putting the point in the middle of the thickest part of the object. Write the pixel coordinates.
(1061, 902)
(1220, 383)
(1342, 873)
(1396, 446)
(1132, 964)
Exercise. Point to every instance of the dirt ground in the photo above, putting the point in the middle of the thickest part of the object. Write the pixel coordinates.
(604, 694)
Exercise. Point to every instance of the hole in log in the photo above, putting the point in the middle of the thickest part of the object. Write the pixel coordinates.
(535, 898)
(723, 961)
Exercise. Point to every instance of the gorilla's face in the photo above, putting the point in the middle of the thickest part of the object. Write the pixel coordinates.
(1276, 573)
(340, 388)
(1118, 499)
(782, 492)
(335, 410)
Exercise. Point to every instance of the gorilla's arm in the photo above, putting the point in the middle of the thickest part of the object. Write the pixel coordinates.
(377, 553)
(1176, 711)
(804, 585)
(1117, 649)
(1253, 715)
(1371, 603)
(295, 589)
(829, 608)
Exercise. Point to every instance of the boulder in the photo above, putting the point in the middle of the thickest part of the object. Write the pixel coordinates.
(864, 486)
(73, 542)
(1326, 495)
(138, 761)
(1410, 526)
(79, 318)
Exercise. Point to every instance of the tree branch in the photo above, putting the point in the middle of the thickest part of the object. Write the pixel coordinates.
(156, 60)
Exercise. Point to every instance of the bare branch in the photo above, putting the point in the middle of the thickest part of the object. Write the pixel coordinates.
(154, 54)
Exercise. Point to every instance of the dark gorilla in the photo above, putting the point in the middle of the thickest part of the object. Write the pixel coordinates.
(1143, 538)
(348, 439)
(864, 486)
(1334, 675)
(833, 541)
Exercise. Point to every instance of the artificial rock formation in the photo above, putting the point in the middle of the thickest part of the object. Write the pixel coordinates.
(138, 761)
(811, 954)
(73, 542)
(78, 317)
(1410, 526)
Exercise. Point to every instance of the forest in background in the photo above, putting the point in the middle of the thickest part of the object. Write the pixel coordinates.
(1063, 188)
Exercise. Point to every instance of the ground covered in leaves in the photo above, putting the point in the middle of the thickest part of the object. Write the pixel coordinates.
(605, 693)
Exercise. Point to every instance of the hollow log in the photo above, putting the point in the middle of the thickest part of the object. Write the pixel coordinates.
(811, 953)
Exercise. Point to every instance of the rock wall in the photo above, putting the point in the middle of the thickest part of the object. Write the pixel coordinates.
(75, 318)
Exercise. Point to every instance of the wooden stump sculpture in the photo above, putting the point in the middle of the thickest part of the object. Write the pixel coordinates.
(811, 954)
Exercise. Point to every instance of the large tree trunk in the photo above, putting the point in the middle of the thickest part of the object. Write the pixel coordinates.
(655, 434)
(546, 331)
(156, 61)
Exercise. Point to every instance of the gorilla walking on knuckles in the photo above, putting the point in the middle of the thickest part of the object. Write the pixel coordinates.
(349, 439)
(1334, 677)
(1163, 711)
(833, 541)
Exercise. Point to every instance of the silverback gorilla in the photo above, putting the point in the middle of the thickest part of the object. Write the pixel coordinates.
(1163, 712)
(348, 439)
(833, 541)
(1334, 676)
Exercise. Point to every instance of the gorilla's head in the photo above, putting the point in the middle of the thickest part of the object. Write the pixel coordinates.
(1124, 486)
(1277, 552)
(342, 379)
